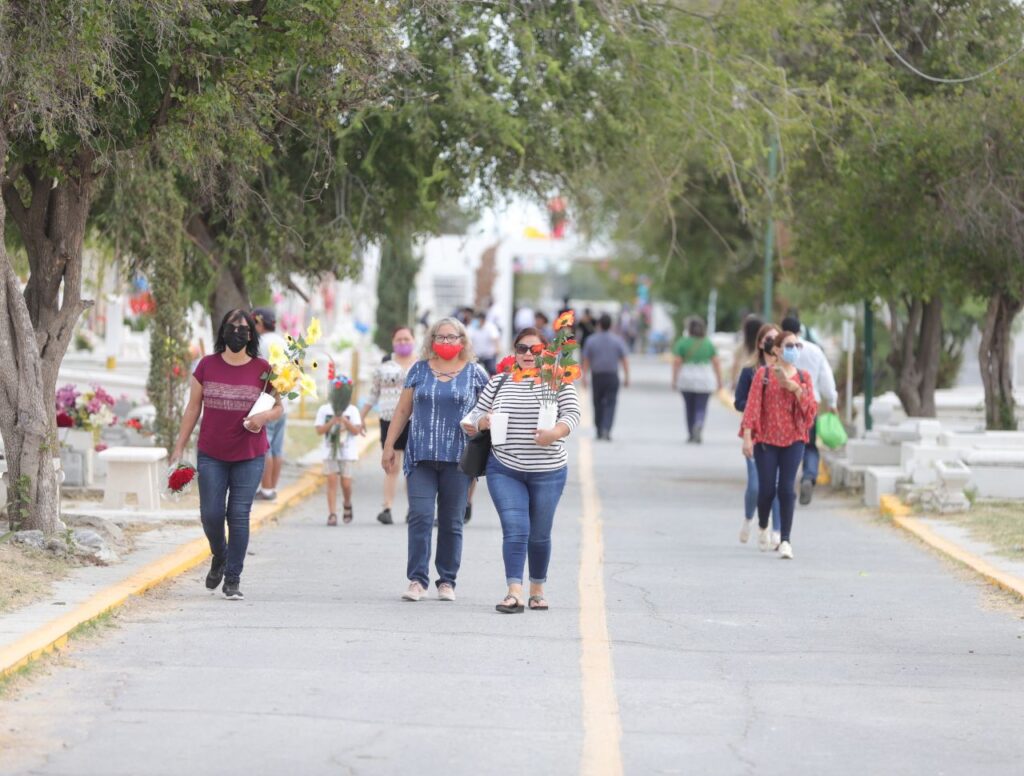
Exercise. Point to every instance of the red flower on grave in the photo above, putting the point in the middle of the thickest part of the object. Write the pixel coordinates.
(64, 420)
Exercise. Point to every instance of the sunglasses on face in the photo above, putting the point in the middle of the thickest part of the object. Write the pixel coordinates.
(522, 350)
(237, 329)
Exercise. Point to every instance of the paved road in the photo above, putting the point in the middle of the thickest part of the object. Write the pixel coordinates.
(866, 654)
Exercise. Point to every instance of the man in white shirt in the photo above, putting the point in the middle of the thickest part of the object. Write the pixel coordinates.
(486, 339)
(266, 327)
(812, 360)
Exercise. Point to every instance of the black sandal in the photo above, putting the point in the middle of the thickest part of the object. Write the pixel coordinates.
(332, 519)
(538, 604)
(346, 514)
(510, 605)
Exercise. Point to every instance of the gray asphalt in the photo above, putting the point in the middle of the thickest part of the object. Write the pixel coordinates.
(865, 654)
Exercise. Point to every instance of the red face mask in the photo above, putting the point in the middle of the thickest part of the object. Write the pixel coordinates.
(447, 351)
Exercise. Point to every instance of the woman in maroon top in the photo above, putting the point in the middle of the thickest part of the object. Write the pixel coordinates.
(225, 385)
(778, 416)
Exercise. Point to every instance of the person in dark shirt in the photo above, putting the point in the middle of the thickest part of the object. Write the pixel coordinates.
(602, 355)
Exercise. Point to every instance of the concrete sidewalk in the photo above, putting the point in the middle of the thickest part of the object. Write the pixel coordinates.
(865, 654)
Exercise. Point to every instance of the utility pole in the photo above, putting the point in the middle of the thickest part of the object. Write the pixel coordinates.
(769, 229)
(869, 362)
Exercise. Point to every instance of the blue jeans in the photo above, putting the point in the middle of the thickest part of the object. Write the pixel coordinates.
(226, 490)
(777, 465)
(441, 483)
(526, 504)
(750, 497)
(811, 457)
(696, 410)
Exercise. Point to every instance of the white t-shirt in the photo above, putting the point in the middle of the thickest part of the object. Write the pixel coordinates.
(485, 338)
(347, 442)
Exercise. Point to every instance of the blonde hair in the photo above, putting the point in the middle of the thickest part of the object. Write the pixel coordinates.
(426, 350)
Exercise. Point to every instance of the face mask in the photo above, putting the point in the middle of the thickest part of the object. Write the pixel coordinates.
(236, 341)
(404, 349)
(789, 355)
(447, 351)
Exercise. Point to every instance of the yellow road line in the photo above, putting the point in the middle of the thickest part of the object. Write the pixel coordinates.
(54, 634)
(602, 730)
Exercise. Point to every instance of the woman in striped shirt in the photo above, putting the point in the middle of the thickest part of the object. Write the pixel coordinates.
(526, 474)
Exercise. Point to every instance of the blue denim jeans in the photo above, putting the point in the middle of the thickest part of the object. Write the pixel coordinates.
(226, 491)
(750, 497)
(526, 504)
(811, 457)
(440, 483)
(776, 474)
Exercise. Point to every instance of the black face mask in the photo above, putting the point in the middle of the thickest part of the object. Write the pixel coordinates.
(236, 341)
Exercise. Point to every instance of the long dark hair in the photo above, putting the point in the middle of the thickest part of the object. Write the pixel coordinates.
(530, 331)
(252, 347)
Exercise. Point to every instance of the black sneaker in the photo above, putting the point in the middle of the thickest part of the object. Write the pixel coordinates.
(469, 513)
(385, 517)
(231, 591)
(806, 492)
(216, 574)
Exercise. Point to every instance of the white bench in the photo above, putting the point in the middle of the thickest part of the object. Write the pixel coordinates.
(135, 470)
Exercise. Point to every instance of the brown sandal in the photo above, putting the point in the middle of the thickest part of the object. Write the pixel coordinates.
(346, 514)
(538, 604)
(332, 519)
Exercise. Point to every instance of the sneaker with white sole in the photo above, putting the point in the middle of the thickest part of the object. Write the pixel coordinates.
(415, 592)
(786, 551)
(745, 530)
(445, 592)
(776, 540)
(764, 539)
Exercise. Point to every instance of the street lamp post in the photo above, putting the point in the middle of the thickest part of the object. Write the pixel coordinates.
(769, 229)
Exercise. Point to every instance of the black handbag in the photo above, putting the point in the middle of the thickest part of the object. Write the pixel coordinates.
(473, 461)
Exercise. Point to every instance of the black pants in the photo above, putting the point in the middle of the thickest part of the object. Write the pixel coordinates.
(606, 393)
(777, 465)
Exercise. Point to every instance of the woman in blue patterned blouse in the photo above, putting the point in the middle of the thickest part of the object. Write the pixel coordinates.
(440, 389)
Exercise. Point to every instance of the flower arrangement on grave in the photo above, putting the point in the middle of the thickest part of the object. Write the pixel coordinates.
(89, 410)
(556, 368)
(287, 364)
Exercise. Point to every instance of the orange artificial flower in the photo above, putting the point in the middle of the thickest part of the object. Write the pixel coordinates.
(523, 374)
(537, 349)
(548, 354)
(571, 374)
(568, 318)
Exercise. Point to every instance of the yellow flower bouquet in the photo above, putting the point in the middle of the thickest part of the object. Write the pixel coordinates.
(286, 375)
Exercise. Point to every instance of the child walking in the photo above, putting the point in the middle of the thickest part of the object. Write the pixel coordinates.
(339, 423)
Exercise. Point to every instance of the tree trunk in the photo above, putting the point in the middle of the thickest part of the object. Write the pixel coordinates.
(228, 294)
(395, 280)
(915, 355)
(35, 329)
(994, 357)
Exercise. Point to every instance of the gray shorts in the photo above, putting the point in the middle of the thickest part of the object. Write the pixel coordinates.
(344, 468)
(275, 436)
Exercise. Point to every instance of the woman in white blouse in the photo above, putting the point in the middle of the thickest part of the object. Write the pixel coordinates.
(385, 389)
(526, 474)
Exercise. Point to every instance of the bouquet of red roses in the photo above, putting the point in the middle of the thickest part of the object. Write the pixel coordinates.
(179, 479)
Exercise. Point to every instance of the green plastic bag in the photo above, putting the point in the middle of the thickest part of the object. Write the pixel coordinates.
(830, 430)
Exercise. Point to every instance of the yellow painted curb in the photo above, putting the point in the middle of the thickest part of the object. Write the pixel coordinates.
(891, 506)
(54, 635)
(995, 576)
(901, 516)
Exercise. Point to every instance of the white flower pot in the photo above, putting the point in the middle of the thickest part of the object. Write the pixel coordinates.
(548, 415)
(264, 403)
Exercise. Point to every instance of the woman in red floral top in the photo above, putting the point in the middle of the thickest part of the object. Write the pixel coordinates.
(779, 413)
